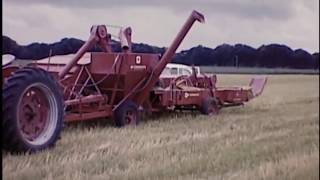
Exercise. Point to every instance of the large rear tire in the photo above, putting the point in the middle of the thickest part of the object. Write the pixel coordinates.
(33, 111)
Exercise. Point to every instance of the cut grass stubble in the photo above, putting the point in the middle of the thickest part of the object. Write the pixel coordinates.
(276, 136)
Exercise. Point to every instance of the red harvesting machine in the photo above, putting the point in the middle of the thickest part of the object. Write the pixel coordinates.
(40, 96)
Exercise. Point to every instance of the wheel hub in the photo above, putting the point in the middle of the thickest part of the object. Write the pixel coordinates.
(33, 113)
(130, 117)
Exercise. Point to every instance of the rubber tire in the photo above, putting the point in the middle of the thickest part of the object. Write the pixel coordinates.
(120, 113)
(15, 85)
(207, 104)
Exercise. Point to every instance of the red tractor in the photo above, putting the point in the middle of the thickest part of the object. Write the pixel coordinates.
(40, 96)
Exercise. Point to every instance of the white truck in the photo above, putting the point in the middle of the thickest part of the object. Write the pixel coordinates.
(175, 70)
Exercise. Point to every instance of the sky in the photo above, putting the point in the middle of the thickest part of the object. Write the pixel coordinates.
(294, 23)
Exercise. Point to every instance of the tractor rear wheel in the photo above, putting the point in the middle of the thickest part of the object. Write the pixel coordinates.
(127, 114)
(209, 106)
(32, 111)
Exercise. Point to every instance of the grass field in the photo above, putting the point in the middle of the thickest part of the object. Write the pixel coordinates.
(275, 136)
(255, 70)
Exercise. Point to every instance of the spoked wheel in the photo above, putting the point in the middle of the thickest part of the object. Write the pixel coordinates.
(33, 111)
(37, 114)
(210, 106)
(127, 114)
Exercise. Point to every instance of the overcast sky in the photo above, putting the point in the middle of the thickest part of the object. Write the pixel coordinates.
(252, 22)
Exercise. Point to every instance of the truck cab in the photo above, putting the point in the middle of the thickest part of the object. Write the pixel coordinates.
(174, 70)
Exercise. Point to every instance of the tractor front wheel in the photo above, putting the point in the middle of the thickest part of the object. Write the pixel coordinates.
(32, 111)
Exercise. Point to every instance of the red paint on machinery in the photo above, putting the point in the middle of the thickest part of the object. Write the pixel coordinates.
(124, 85)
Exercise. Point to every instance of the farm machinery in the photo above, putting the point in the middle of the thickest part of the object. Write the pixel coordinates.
(40, 96)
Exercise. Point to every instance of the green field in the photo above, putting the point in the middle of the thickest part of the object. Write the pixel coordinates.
(275, 136)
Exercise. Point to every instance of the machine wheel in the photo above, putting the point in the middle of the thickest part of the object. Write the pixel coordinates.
(209, 106)
(127, 114)
(32, 111)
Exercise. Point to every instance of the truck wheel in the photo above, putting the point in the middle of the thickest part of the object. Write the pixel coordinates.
(127, 114)
(32, 111)
(209, 106)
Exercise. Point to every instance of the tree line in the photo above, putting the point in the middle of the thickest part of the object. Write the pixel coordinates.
(241, 55)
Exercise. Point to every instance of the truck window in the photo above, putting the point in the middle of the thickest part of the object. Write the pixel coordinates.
(166, 71)
(174, 71)
(186, 72)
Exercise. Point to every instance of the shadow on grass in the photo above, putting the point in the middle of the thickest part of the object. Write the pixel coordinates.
(173, 114)
(109, 122)
(89, 124)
